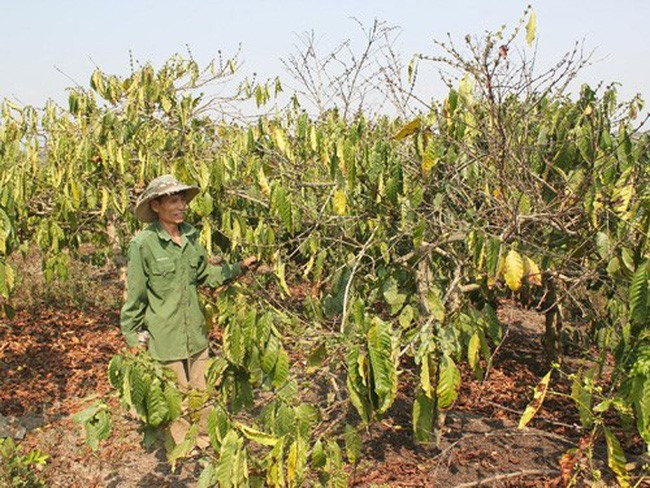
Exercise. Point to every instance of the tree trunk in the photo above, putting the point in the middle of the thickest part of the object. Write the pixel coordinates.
(552, 336)
(424, 281)
(119, 260)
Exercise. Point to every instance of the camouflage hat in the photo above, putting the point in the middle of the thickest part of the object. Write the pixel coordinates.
(163, 185)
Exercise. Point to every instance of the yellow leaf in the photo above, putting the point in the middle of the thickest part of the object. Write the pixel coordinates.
(166, 104)
(263, 182)
(280, 139)
(256, 435)
(533, 275)
(312, 138)
(340, 202)
(429, 159)
(104, 206)
(361, 363)
(531, 28)
(538, 399)
(411, 128)
(513, 270)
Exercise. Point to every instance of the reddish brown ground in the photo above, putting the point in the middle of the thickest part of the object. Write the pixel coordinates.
(53, 356)
(53, 363)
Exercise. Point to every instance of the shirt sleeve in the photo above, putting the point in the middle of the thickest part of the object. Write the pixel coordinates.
(214, 276)
(132, 315)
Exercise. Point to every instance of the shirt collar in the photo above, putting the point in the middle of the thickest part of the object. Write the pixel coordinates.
(185, 228)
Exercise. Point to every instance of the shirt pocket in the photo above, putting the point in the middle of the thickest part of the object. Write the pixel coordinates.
(162, 277)
(194, 261)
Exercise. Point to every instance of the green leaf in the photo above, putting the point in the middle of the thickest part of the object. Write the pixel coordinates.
(436, 307)
(423, 415)
(406, 316)
(138, 383)
(628, 259)
(318, 457)
(448, 382)
(536, 403)
(208, 477)
(281, 370)
(270, 356)
(582, 397)
(285, 420)
(383, 362)
(88, 413)
(218, 426)
(227, 458)
(99, 428)
(352, 444)
(157, 411)
(638, 294)
(492, 254)
(174, 400)
(392, 295)
(115, 372)
(641, 399)
(493, 324)
(616, 458)
(97, 423)
(5, 230)
(602, 244)
(357, 384)
(281, 206)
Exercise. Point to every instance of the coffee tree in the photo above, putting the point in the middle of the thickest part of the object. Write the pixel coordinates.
(389, 239)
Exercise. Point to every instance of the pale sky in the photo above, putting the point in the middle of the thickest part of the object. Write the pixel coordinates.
(36, 35)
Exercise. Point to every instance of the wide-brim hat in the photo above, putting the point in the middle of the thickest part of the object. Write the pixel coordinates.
(163, 185)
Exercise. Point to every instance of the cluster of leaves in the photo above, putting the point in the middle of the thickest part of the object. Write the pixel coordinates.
(20, 470)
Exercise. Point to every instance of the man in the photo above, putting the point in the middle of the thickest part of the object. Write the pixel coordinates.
(166, 263)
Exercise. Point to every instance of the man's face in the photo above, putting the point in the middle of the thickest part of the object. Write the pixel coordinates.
(170, 208)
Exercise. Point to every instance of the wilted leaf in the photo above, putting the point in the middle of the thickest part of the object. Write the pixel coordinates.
(536, 403)
(514, 270)
(531, 28)
(616, 458)
(411, 128)
(533, 275)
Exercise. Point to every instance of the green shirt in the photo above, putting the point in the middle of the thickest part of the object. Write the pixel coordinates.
(162, 293)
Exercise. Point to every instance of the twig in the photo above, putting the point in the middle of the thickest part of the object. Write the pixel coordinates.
(505, 476)
(514, 432)
(520, 413)
(488, 367)
(349, 283)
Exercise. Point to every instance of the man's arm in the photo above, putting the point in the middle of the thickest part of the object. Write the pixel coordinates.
(132, 315)
(215, 276)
